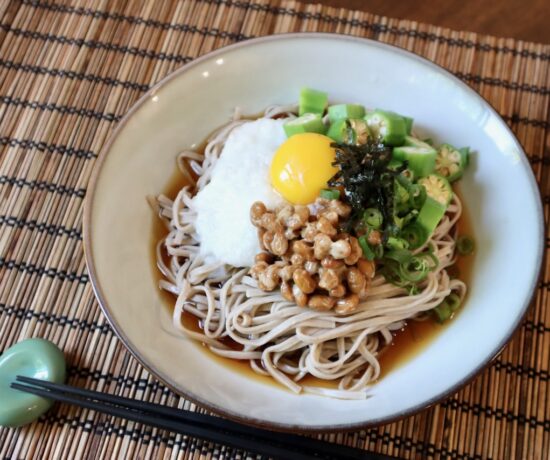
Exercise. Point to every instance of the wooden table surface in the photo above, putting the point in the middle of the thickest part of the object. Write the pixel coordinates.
(520, 19)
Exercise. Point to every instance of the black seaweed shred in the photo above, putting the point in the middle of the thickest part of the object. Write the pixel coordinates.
(366, 179)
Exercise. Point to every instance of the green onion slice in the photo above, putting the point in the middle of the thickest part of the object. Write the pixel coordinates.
(417, 196)
(373, 218)
(397, 243)
(447, 307)
(367, 251)
(414, 234)
(401, 256)
(453, 301)
(329, 194)
(442, 312)
(465, 245)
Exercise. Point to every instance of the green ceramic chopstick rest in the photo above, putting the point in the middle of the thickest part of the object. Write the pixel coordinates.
(36, 358)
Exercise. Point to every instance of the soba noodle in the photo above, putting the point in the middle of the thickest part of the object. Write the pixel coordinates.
(277, 337)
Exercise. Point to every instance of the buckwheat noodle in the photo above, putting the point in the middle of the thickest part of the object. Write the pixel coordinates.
(277, 337)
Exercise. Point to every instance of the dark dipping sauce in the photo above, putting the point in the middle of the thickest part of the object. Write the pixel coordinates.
(407, 342)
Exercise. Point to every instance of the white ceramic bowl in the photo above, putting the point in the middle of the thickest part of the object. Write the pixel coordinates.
(499, 190)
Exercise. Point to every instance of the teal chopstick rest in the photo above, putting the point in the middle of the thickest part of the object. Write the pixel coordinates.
(36, 358)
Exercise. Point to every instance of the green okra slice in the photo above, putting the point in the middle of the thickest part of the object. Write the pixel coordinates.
(308, 123)
(430, 214)
(451, 162)
(312, 101)
(345, 131)
(345, 111)
(420, 157)
(388, 126)
(408, 124)
(438, 188)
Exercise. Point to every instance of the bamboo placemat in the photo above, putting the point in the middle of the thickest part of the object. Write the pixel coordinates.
(70, 70)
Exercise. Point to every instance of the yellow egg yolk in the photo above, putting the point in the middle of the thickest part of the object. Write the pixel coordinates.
(301, 167)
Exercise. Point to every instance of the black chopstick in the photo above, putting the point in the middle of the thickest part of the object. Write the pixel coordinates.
(299, 442)
(277, 445)
(171, 425)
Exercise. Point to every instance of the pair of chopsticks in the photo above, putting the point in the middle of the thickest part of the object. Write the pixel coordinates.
(218, 430)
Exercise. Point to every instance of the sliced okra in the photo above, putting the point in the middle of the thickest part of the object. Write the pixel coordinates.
(345, 131)
(345, 111)
(312, 101)
(308, 123)
(430, 214)
(450, 162)
(388, 126)
(438, 188)
(420, 157)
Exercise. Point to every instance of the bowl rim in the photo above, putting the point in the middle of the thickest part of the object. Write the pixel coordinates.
(104, 304)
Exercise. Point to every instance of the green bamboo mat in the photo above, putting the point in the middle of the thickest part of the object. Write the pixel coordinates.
(70, 70)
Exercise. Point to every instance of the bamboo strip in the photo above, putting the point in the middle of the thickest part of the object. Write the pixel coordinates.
(100, 56)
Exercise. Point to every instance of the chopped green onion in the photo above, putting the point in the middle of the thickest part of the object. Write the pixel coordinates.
(395, 165)
(447, 307)
(367, 251)
(453, 300)
(400, 189)
(417, 196)
(337, 112)
(308, 123)
(397, 243)
(391, 230)
(405, 269)
(401, 256)
(414, 234)
(406, 272)
(329, 194)
(373, 218)
(416, 271)
(408, 197)
(465, 245)
(403, 219)
(312, 101)
(428, 254)
(409, 174)
(442, 312)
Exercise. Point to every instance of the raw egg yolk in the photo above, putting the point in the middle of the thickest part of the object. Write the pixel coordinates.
(301, 167)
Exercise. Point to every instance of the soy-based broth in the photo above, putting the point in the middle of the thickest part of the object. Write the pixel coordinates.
(407, 342)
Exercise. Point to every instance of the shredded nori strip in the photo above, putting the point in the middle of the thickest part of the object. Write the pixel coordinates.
(366, 179)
